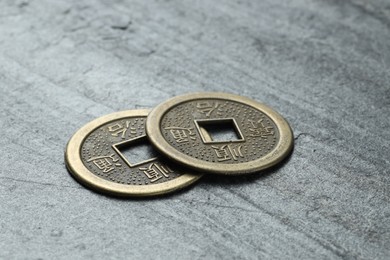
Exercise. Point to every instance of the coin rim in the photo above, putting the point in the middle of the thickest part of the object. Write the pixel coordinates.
(282, 149)
(78, 170)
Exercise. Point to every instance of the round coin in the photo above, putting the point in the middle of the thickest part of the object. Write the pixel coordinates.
(99, 155)
(187, 130)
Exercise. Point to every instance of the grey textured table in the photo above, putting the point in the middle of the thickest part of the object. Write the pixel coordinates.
(324, 65)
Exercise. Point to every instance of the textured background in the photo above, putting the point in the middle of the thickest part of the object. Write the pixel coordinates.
(322, 64)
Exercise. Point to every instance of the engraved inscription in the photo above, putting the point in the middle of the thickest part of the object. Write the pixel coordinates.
(258, 129)
(119, 129)
(156, 171)
(181, 134)
(228, 152)
(208, 107)
(105, 163)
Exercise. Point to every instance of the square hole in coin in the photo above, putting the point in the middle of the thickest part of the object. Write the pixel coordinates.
(219, 130)
(136, 151)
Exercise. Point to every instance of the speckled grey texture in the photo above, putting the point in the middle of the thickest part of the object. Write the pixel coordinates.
(324, 65)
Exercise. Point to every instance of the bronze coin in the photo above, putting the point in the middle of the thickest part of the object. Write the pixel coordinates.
(95, 156)
(184, 129)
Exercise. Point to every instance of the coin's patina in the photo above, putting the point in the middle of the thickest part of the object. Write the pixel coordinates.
(178, 128)
(94, 157)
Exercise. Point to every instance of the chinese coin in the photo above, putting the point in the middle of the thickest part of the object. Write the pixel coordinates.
(99, 156)
(186, 129)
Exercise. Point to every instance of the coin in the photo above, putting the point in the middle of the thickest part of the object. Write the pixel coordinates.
(96, 156)
(183, 127)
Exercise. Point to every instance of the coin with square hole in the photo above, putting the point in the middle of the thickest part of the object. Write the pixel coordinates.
(113, 155)
(219, 133)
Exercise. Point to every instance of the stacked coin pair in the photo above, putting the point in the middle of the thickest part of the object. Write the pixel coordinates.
(183, 132)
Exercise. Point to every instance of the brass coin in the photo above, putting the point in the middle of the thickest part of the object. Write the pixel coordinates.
(182, 129)
(95, 157)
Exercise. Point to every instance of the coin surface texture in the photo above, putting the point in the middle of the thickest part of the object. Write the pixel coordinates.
(95, 156)
(182, 128)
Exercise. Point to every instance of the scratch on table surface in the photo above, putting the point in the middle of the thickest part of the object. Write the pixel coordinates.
(220, 226)
(335, 249)
(303, 134)
(39, 183)
(194, 201)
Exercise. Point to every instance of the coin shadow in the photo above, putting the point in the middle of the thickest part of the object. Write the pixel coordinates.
(134, 198)
(148, 198)
(212, 179)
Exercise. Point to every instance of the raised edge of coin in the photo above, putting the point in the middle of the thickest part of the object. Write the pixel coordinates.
(275, 156)
(78, 170)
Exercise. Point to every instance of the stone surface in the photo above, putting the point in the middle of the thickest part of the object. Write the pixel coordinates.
(324, 65)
